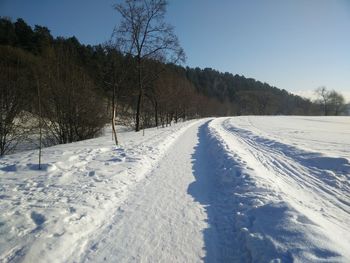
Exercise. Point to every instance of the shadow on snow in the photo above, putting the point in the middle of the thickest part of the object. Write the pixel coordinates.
(217, 198)
(228, 195)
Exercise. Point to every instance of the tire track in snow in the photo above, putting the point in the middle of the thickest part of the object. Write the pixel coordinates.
(315, 185)
(298, 168)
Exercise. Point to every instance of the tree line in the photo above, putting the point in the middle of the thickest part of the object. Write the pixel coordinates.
(247, 96)
(69, 91)
(66, 91)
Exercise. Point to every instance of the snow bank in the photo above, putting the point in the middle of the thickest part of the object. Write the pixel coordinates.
(285, 209)
(49, 215)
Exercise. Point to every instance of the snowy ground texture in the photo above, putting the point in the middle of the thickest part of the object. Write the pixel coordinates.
(241, 189)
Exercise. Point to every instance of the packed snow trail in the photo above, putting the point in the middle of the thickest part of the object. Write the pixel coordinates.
(49, 215)
(165, 218)
(224, 194)
(241, 189)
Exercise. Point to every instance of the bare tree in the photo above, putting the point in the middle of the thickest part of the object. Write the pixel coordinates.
(116, 73)
(143, 34)
(72, 110)
(15, 81)
(336, 102)
(333, 102)
(40, 122)
(323, 97)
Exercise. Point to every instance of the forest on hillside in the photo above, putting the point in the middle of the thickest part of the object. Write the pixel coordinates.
(69, 91)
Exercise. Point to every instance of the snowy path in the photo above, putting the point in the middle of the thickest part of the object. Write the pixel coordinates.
(242, 189)
(51, 214)
(225, 194)
(163, 221)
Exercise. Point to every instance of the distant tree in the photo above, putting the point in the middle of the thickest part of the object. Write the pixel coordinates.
(323, 98)
(333, 103)
(336, 102)
(144, 35)
(24, 35)
(42, 39)
(7, 32)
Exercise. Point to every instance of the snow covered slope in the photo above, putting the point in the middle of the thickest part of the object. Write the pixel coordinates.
(50, 215)
(241, 189)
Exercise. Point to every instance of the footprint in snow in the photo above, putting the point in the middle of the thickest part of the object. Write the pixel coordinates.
(116, 159)
(72, 210)
(9, 168)
(38, 218)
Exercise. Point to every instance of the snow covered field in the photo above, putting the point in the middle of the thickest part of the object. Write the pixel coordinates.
(241, 189)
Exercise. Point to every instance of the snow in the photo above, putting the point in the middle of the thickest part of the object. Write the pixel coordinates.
(293, 201)
(326, 135)
(240, 189)
(167, 221)
(51, 214)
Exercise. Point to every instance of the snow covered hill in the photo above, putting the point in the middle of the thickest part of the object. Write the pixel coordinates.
(241, 189)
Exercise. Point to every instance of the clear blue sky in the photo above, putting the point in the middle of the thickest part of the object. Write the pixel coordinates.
(293, 44)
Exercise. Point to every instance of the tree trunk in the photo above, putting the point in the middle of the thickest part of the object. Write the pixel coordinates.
(325, 106)
(140, 97)
(113, 126)
(176, 116)
(114, 110)
(138, 111)
(40, 125)
(156, 113)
